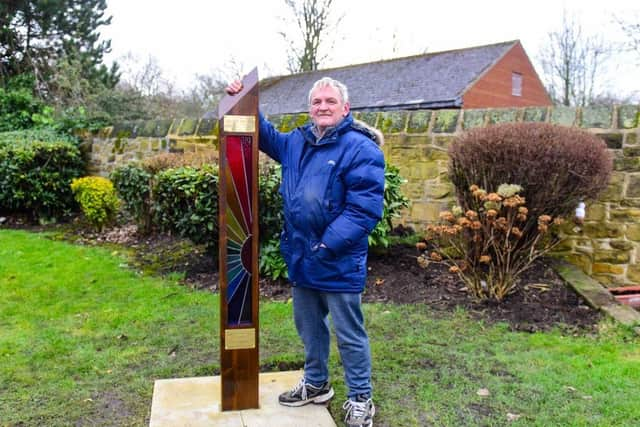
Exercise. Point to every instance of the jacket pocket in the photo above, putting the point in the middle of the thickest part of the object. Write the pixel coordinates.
(323, 267)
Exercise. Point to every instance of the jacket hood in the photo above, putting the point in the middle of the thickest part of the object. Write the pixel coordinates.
(374, 134)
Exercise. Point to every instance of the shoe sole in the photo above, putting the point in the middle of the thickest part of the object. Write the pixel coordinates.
(318, 399)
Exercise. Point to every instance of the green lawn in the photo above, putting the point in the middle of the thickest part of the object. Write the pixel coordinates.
(82, 339)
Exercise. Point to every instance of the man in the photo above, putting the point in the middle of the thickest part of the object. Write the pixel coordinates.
(332, 187)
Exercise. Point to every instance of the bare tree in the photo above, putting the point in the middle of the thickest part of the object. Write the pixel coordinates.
(313, 19)
(144, 75)
(573, 63)
(631, 28)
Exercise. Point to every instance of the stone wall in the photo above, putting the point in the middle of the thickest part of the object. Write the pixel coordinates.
(607, 246)
(134, 141)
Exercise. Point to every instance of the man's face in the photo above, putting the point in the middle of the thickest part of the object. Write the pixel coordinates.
(327, 107)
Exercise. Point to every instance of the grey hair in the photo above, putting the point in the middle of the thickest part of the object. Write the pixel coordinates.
(328, 81)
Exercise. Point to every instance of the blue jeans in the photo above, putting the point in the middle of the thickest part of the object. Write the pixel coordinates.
(310, 312)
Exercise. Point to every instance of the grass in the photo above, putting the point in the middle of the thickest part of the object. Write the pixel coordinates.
(82, 339)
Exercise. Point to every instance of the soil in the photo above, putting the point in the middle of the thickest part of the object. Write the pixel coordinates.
(543, 300)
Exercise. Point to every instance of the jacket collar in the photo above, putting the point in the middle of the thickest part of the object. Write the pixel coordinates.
(330, 135)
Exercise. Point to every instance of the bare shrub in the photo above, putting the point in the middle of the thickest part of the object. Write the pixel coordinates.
(484, 244)
(164, 161)
(514, 182)
(556, 166)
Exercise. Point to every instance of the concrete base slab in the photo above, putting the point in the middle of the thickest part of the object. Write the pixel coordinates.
(195, 402)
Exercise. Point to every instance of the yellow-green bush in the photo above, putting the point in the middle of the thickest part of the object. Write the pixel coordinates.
(97, 199)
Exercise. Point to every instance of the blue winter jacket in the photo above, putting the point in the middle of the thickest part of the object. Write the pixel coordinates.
(333, 192)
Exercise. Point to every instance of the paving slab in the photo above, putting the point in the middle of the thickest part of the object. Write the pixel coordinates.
(195, 402)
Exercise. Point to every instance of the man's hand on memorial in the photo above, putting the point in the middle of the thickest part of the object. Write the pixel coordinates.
(234, 87)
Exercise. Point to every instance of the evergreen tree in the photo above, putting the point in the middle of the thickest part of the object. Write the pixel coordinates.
(36, 34)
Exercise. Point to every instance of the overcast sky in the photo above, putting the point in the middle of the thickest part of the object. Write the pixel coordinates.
(205, 36)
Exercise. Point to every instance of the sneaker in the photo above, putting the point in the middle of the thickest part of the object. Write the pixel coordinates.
(304, 393)
(360, 412)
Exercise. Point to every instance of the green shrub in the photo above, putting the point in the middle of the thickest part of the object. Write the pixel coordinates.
(134, 185)
(35, 176)
(27, 136)
(186, 201)
(394, 202)
(557, 166)
(270, 203)
(18, 104)
(97, 199)
(272, 263)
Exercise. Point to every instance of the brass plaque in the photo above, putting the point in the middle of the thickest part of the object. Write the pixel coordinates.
(236, 339)
(245, 124)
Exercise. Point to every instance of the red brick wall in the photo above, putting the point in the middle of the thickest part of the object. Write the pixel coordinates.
(493, 89)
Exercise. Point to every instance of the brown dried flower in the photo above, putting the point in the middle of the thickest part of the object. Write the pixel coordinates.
(435, 256)
(492, 213)
(494, 197)
(515, 231)
(464, 222)
(454, 269)
(422, 261)
(474, 188)
(471, 214)
(421, 246)
(476, 225)
(544, 219)
(447, 216)
(480, 194)
(514, 201)
(501, 223)
(485, 259)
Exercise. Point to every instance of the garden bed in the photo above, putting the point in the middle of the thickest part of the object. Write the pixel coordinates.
(543, 300)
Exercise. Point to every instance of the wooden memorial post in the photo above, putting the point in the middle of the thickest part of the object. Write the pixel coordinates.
(238, 207)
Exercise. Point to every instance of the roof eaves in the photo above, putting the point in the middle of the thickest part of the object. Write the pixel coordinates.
(421, 105)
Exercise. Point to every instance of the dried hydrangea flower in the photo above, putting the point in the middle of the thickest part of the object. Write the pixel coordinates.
(514, 201)
(494, 197)
(509, 190)
(515, 231)
(545, 219)
(435, 256)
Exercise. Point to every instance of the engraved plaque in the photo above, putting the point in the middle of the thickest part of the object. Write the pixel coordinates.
(236, 339)
(242, 124)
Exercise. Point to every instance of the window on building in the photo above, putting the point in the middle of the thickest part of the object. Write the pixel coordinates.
(516, 84)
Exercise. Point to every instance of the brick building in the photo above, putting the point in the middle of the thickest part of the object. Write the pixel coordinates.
(497, 75)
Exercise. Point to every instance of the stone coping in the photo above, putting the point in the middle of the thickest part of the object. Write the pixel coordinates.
(597, 296)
